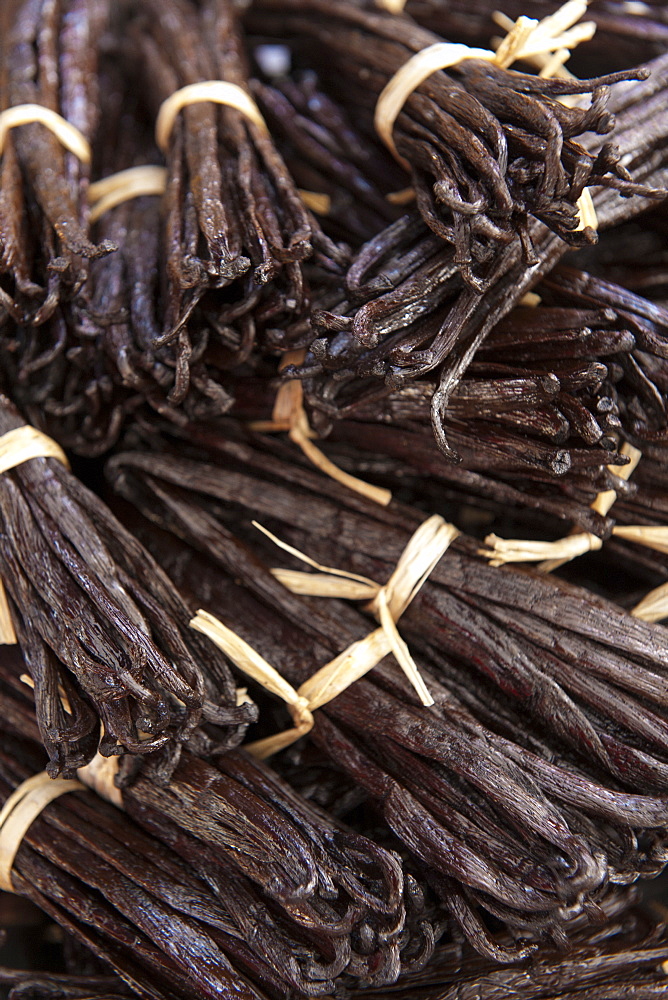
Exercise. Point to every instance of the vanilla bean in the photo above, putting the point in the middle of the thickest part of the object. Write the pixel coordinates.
(51, 52)
(290, 893)
(110, 625)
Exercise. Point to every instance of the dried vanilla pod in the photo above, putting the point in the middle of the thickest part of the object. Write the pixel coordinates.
(375, 733)
(487, 147)
(311, 901)
(94, 613)
(328, 155)
(27, 984)
(623, 958)
(233, 216)
(49, 54)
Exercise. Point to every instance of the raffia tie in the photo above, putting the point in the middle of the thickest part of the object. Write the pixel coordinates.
(31, 797)
(289, 415)
(654, 606)
(18, 446)
(215, 91)
(552, 555)
(392, 6)
(545, 44)
(20, 811)
(27, 114)
(136, 182)
(388, 602)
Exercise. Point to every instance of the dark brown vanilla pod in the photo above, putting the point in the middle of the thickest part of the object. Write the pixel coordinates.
(625, 957)
(486, 147)
(234, 219)
(27, 984)
(328, 155)
(49, 56)
(312, 901)
(94, 613)
(454, 783)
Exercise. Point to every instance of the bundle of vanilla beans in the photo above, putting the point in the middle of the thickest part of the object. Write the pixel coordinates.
(463, 304)
(49, 57)
(622, 959)
(237, 883)
(159, 324)
(99, 621)
(548, 685)
(597, 966)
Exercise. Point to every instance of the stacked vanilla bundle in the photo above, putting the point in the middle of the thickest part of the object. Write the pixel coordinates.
(314, 319)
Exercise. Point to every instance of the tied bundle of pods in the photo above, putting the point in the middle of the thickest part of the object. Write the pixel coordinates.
(48, 55)
(96, 360)
(520, 794)
(404, 311)
(74, 374)
(235, 222)
(536, 417)
(236, 882)
(97, 619)
(486, 148)
(109, 357)
(623, 958)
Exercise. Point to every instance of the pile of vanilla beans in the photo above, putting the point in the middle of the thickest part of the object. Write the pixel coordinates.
(230, 363)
